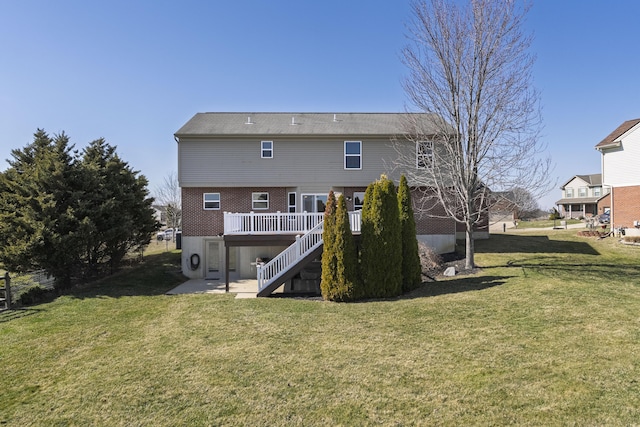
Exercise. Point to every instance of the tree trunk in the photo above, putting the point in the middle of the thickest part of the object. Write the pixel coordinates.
(469, 250)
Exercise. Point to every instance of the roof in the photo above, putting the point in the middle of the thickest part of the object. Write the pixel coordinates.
(580, 200)
(594, 180)
(612, 138)
(303, 124)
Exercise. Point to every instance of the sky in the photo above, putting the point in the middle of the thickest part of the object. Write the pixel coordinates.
(133, 72)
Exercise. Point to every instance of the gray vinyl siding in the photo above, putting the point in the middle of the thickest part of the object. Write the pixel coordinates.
(237, 162)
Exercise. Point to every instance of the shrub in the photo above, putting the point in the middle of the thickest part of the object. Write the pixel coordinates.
(345, 277)
(328, 277)
(411, 274)
(632, 239)
(430, 262)
(381, 253)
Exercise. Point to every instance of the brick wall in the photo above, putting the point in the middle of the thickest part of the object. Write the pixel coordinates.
(626, 205)
(199, 222)
(603, 203)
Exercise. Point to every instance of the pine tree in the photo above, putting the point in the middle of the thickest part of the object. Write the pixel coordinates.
(381, 252)
(411, 268)
(328, 277)
(346, 256)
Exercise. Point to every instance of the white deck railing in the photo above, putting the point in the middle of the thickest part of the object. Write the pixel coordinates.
(270, 223)
(288, 258)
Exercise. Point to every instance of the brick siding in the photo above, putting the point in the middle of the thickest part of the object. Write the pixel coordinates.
(196, 221)
(626, 205)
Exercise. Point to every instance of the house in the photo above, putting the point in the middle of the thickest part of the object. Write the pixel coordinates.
(584, 196)
(254, 187)
(620, 159)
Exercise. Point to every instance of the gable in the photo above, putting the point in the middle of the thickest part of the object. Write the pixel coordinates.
(614, 138)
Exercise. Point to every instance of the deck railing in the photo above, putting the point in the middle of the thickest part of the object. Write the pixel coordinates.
(270, 223)
(278, 222)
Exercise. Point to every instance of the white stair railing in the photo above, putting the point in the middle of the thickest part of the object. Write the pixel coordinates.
(288, 258)
(304, 244)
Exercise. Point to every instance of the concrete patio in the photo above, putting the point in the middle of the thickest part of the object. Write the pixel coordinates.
(244, 288)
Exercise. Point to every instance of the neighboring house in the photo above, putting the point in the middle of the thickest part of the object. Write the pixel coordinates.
(584, 196)
(252, 182)
(621, 171)
(160, 214)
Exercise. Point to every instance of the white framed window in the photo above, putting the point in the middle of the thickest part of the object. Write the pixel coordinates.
(259, 201)
(424, 154)
(358, 200)
(211, 201)
(582, 192)
(266, 149)
(597, 191)
(291, 202)
(353, 155)
(569, 193)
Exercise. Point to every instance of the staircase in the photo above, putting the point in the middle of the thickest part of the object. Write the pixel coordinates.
(289, 262)
(293, 260)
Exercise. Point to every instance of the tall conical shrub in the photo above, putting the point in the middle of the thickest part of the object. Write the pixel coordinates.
(346, 274)
(381, 241)
(328, 277)
(411, 268)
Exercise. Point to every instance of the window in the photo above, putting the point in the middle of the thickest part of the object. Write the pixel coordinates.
(569, 192)
(582, 192)
(267, 149)
(259, 201)
(424, 154)
(358, 200)
(597, 191)
(211, 201)
(292, 202)
(314, 202)
(353, 154)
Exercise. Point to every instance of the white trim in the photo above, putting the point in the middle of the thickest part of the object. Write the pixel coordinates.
(205, 201)
(254, 201)
(359, 155)
(263, 150)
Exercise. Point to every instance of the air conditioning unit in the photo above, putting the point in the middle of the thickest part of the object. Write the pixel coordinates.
(636, 224)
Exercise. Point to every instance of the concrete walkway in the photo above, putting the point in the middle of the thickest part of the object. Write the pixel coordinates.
(244, 288)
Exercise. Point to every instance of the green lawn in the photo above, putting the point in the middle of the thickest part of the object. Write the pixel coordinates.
(547, 334)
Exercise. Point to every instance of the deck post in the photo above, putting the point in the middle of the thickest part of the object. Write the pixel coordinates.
(226, 268)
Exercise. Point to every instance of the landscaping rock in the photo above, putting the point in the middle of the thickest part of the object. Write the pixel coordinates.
(450, 272)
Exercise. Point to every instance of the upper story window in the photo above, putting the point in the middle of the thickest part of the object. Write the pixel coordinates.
(597, 191)
(259, 201)
(569, 193)
(266, 149)
(582, 192)
(211, 201)
(353, 154)
(358, 200)
(424, 154)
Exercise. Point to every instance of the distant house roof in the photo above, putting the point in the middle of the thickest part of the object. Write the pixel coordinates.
(203, 124)
(594, 180)
(612, 138)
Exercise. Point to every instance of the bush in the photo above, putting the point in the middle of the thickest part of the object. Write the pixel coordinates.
(411, 273)
(430, 261)
(381, 241)
(632, 239)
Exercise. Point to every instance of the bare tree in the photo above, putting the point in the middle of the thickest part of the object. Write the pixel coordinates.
(470, 68)
(168, 196)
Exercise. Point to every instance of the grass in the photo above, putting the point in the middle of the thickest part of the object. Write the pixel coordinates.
(547, 334)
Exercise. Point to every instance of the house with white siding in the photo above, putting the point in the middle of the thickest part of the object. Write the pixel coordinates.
(254, 187)
(584, 196)
(621, 171)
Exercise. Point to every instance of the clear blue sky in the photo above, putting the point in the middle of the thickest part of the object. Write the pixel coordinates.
(134, 72)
